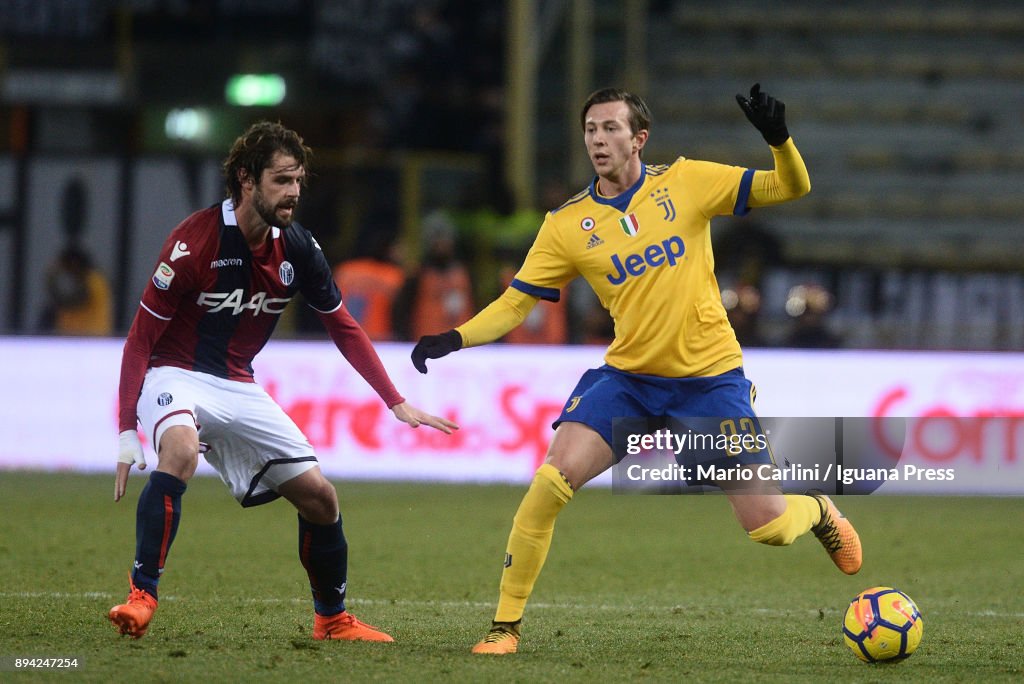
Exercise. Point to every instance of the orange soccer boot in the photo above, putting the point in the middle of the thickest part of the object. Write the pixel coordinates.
(837, 535)
(503, 639)
(346, 627)
(132, 617)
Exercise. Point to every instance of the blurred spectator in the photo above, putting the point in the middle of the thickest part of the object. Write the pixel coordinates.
(79, 296)
(809, 305)
(440, 295)
(743, 305)
(369, 284)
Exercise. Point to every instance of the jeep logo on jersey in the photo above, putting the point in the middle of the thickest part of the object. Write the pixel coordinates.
(666, 252)
(232, 301)
(287, 272)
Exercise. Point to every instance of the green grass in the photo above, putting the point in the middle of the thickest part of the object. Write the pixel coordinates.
(643, 588)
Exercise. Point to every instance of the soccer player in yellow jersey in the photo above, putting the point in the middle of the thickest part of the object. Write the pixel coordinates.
(640, 235)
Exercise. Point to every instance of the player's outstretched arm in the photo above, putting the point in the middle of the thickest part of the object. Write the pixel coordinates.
(789, 179)
(353, 343)
(410, 415)
(496, 320)
(766, 113)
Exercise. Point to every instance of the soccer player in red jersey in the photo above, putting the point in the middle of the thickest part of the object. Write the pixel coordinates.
(223, 278)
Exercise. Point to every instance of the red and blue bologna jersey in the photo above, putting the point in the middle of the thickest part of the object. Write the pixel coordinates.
(222, 299)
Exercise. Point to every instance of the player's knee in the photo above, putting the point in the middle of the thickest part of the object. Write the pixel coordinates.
(579, 454)
(328, 500)
(179, 452)
(574, 470)
(321, 505)
(313, 496)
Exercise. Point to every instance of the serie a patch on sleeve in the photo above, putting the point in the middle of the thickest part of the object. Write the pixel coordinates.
(163, 276)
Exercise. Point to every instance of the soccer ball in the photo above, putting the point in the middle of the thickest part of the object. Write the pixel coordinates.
(881, 624)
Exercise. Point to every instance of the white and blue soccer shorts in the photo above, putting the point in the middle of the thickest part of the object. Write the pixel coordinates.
(248, 439)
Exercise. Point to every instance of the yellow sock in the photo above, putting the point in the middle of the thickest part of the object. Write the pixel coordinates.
(801, 514)
(528, 544)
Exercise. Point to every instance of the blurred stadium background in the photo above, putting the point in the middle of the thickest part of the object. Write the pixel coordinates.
(115, 114)
(456, 122)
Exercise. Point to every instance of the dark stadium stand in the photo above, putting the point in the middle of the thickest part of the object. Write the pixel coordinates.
(908, 114)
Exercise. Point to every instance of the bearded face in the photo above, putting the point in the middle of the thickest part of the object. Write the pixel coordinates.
(276, 195)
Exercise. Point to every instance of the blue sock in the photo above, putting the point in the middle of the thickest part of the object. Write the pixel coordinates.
(324, 554)
(156, 523)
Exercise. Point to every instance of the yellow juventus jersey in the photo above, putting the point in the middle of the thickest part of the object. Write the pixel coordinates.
(647, 255)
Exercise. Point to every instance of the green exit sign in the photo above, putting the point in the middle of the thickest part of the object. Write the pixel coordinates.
(255, 90)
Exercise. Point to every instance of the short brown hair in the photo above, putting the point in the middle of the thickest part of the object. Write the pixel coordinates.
(639, 114)
(253, 150)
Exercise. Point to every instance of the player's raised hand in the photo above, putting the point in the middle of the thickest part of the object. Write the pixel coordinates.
(129, 452)
(766, 113)
(409, 414)
(434, 347)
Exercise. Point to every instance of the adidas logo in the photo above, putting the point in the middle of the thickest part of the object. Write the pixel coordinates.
(594, 241)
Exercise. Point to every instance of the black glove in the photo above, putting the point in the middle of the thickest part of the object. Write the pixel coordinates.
(434, 347)
(766, 113)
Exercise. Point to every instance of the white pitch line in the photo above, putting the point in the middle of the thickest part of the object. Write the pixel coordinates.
(539, 605)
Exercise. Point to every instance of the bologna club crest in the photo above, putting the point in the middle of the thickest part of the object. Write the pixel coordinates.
(287, 272)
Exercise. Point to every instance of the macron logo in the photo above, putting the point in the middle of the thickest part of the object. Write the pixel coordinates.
(220, 263)
(180, 250)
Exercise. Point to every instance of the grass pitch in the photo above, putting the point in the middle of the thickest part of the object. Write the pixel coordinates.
(647, 588)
